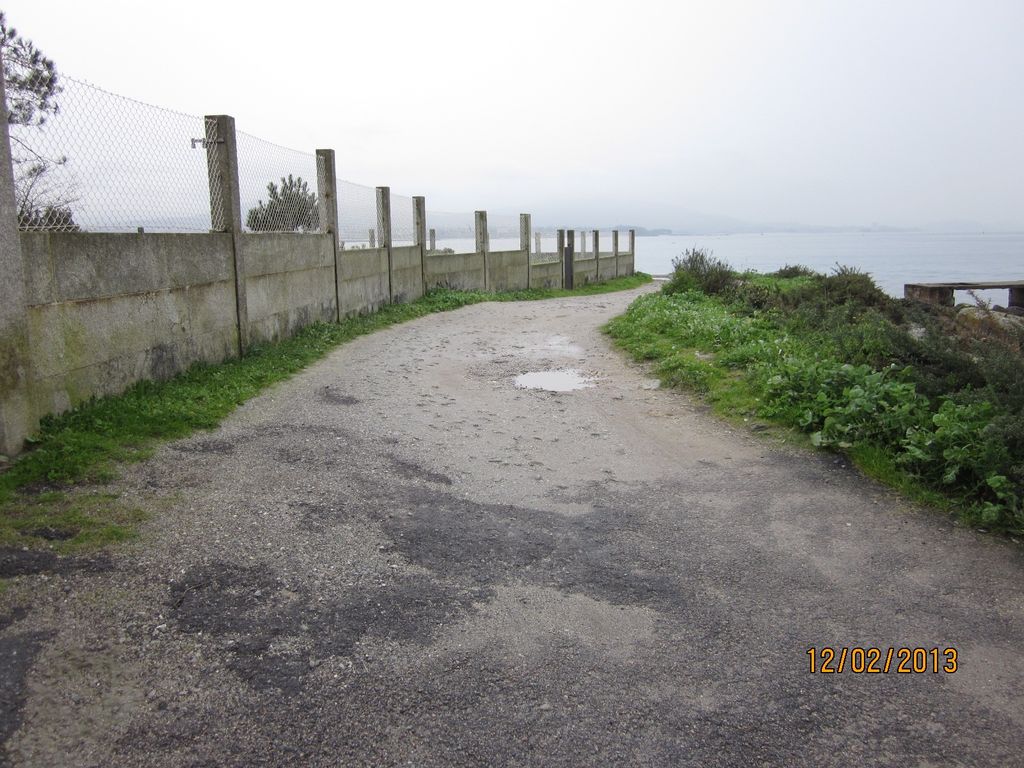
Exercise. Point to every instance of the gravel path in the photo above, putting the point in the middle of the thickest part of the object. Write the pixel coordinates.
(399, 558)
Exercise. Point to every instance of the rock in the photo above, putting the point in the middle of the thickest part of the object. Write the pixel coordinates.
(978, 317)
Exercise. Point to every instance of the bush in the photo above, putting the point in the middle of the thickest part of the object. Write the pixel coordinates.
(755, 296)
(849, 285)
(795, 270)
(698, 269)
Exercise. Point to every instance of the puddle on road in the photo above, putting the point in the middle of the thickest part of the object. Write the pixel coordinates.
(567, 380)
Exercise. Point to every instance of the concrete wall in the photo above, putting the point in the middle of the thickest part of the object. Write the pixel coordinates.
(107, 310)
(606, 267)
(584, 271)
(461, 271)
(289, 282)
(362, 280)
(407, 273)
(507, 270)
(625, 264)
(546, 274)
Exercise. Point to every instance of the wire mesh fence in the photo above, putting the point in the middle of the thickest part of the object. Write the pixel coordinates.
(357, 213)
(107, 163)
(276, 187)
(402, 229)
(97, 161)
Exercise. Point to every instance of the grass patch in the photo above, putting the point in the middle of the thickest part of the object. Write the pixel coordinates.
(68, 522)
(86, 443)
(917, 397)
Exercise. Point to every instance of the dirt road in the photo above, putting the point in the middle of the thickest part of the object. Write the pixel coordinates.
(398, 557)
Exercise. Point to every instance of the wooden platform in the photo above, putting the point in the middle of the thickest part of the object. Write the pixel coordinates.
(942, 293)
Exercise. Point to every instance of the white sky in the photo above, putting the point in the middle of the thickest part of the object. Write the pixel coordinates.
(818, 112)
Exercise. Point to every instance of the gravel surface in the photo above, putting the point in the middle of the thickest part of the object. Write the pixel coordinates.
(400, 558)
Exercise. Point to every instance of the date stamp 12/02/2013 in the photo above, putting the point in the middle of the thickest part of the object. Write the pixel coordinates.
(870, 660)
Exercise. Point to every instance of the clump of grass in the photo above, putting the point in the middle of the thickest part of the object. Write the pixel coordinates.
(86, 443)
(68, 522)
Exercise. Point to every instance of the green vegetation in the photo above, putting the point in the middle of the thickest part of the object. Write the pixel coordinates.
(86, 444)
(292, 207)
(68, 522)
(928, 403)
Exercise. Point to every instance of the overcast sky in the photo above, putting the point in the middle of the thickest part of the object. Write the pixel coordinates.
(815, 112)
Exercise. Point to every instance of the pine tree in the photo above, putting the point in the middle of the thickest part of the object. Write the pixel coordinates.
(32, 86)
(292, 207)
(30, 78)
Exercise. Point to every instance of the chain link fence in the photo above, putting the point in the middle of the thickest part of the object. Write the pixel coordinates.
(403, 231)
(102, 162)
(357, 214)
(276, 187)
(107, 163)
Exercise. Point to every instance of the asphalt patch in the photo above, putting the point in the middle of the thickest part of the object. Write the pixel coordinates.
(409, 470)
(490, 544)
(28, 562)
(334, 397)
(17, 654)
(254, 614)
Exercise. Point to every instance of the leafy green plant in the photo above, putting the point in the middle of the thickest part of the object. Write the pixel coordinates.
(953, 447)
(842, 404)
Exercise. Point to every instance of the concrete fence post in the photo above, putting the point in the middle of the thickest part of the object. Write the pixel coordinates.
(615, 249)
(597, 255)
(583, 242)
(525, 227)
(433, 239)
(16, 422)
(419, 226)
(327, 192)
(225, 207)
(568, 280)
(384, 231)
(632, 251)
(560, 251)
(371, 236)
(483, 243)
